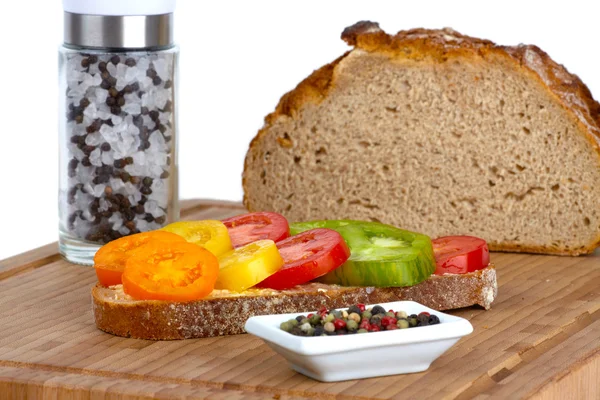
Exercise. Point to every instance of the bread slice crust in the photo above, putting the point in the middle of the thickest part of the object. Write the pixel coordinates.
(225, 313)
(439, 46)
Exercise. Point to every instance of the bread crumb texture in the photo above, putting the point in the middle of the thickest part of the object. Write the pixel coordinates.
(440, 133)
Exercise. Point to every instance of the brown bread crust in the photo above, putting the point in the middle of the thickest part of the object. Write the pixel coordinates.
(226, 314)
(440, 45)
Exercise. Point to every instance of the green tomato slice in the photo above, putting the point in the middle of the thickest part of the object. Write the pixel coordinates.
(380, 255)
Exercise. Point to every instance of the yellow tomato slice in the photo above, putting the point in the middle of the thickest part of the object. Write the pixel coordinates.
(248, 265)
(210, 234)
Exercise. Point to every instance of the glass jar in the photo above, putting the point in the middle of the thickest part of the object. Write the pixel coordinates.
(117, 129)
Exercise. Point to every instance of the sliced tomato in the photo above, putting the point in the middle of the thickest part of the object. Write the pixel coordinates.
(110, 259)
(248, 228)
(172, 271)
(210, 234)
(307, 256)
(460, 254)
(245, 266)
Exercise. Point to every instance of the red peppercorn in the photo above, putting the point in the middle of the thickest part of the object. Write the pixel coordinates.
(386, 321)
(364, 324)
(323, 311)
(309, 315)
(374, 328)
(361, 307)
(424, 313)
(339, 324)
(391, 311)
(391, 327)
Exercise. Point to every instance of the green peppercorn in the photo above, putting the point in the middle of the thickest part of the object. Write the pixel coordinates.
(366, 315)
(315, 319)
(351, 325)
(361, 330)
(402, 323)
(293, 322)
(285, 326)
(390, 314)
(412, 322)
(304, 321)
(310, 331)
(329, 318)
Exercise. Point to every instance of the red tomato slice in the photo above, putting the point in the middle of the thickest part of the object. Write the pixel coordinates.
(248, 228)
(460, 254)
(307, 256)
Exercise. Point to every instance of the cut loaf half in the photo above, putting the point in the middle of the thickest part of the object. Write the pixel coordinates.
(440, 133)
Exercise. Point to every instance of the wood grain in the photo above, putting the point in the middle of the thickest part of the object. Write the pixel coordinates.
(540, 340)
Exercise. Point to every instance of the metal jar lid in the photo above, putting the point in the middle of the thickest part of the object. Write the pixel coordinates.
(118, 31)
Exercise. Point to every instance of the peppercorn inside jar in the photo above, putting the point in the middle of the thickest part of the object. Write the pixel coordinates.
(117, 147)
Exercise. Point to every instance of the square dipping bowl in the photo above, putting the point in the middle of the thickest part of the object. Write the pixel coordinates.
(366, 355)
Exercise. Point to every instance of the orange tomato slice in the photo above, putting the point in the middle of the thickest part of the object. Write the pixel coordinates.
(176, 271)
(110, 259)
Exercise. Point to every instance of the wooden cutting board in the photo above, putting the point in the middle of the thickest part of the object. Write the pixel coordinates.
(541, 339)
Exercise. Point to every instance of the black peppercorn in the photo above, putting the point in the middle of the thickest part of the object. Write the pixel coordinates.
(153, 115)
(113, 92)
(434, 319)
(102, 66)
(135, 86)
(105, 146)
(105, 74)
(121, 101)
(111, 101)
(160, 220)
(139, 209)
(135, 180)
(162, 128)
(125, 177)
(130, 225)
(79, 119)
(147, 181)
(151, 73)
(145, 111)
(127, 89)
(168, 106)
(112, 80)
(130, 62)
(87, 150)
(116, 110)
(85, 161)
(83, 103)
(143, 200)
(119, 163)
(164, 175)
(144, 144)
(146, 190)
(73, 163)
(156, 80)
(105, 84)
(378, 310)
(168, 84)
(93, 59)
(115, 59)
(149, 218)
(129, 160)
(85, 62)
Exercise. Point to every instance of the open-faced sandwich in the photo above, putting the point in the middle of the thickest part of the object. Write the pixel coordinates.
(206, 278)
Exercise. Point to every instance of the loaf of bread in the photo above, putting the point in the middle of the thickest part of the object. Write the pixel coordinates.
(225, 313)
(440, 133)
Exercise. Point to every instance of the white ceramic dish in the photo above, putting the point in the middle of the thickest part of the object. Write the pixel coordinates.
(338, 358)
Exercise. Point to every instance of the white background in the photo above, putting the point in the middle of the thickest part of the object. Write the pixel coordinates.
(237, 59)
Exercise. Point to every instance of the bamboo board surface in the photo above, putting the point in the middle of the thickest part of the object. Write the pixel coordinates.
(541, 339)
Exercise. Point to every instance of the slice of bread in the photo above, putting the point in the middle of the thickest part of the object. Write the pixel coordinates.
(225, 313)
(440, 133)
